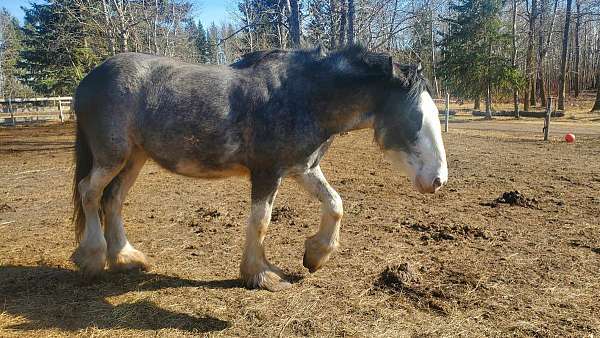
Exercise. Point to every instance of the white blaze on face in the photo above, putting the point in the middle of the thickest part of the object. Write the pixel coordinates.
(425, 162)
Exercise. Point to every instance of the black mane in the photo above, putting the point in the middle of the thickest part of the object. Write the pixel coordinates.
(250, 59)
(407, 76)
(412, 78)
(262, 56)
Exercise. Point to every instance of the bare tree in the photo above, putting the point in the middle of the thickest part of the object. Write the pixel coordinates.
(596, 107)
(563, 60)
(577, 50)
(294, 22)
(544, 47)
(529, 60)
(343, 22)
(514, 55)
(351, 14)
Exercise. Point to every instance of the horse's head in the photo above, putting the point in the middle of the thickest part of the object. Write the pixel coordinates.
(407, 128)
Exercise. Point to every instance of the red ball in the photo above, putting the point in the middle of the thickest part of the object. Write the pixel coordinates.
(570, 138)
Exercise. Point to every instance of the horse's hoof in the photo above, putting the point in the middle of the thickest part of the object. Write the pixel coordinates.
(267, 280)
(128, 259)
(316, 255)
(90, 262)
(311, 268)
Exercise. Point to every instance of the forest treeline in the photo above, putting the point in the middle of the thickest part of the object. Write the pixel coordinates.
(521, 51)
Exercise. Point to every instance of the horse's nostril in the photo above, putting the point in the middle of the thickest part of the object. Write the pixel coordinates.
(437, 183)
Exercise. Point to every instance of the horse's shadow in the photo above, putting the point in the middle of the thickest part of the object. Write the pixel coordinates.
(53, 297)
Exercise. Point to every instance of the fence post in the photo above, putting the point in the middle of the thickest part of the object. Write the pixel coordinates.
(12, 114)
(547, 118)
(60, 111)
(447, 112)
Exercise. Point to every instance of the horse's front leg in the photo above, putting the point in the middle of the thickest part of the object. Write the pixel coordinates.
(255, 270)
(320, 246)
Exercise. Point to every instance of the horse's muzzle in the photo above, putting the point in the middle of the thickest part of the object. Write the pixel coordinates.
(425, 186)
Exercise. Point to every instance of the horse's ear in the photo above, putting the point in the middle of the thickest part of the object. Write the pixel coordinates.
(419, 68)
(401, 73)
(380, 62)
(320, 50)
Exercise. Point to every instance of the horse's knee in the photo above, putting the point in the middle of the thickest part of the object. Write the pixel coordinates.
(111, 205)
(335, 207)
(90, 198)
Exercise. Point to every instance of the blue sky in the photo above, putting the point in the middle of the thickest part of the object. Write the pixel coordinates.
(207, 11)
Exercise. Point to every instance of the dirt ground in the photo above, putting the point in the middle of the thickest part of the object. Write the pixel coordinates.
(458, 263)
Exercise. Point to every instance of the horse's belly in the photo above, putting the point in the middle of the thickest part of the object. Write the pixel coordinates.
(194, 169)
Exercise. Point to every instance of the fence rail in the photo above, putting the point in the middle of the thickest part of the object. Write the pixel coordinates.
(35, 109)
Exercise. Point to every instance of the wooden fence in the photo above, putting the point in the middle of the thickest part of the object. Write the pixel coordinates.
(37, 109)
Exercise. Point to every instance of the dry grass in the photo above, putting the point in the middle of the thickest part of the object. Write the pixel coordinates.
(480, 270)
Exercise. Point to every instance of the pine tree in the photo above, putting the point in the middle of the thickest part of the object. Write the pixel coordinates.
(475, 61)
(55, 56)
(212, 35)
(202, 44)
(10, 45)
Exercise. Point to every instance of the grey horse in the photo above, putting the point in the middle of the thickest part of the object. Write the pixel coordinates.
(271, 115)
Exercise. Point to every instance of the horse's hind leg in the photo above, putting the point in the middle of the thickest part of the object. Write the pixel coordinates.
(255, 270)
(121, 254)
(90, 256)
(320, 246)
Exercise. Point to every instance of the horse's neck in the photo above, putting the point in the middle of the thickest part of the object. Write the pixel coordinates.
(349, 108)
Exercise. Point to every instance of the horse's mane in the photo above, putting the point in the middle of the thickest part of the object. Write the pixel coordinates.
(406, 75)
(253, 58)
(262, 56)
(412, 78)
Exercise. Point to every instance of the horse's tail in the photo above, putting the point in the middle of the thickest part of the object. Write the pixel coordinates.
(83, 165)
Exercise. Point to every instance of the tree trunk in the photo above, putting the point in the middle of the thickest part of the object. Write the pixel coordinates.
(433, 65)
(247, 21)
(155, 29)
(488, 102)
(123, 28)
(563, 59)
(351, 22)
(533, 91)
(529, 62)
(332, 37)
(343, 19)
(596, 107)
(577, 48)
(540, 49)
(280, 34)
(543, 87)
(294, 23)
(124, 42)
(543, 97)
(110, 29)
(477, 103)
(514, 56)
(392, 25)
